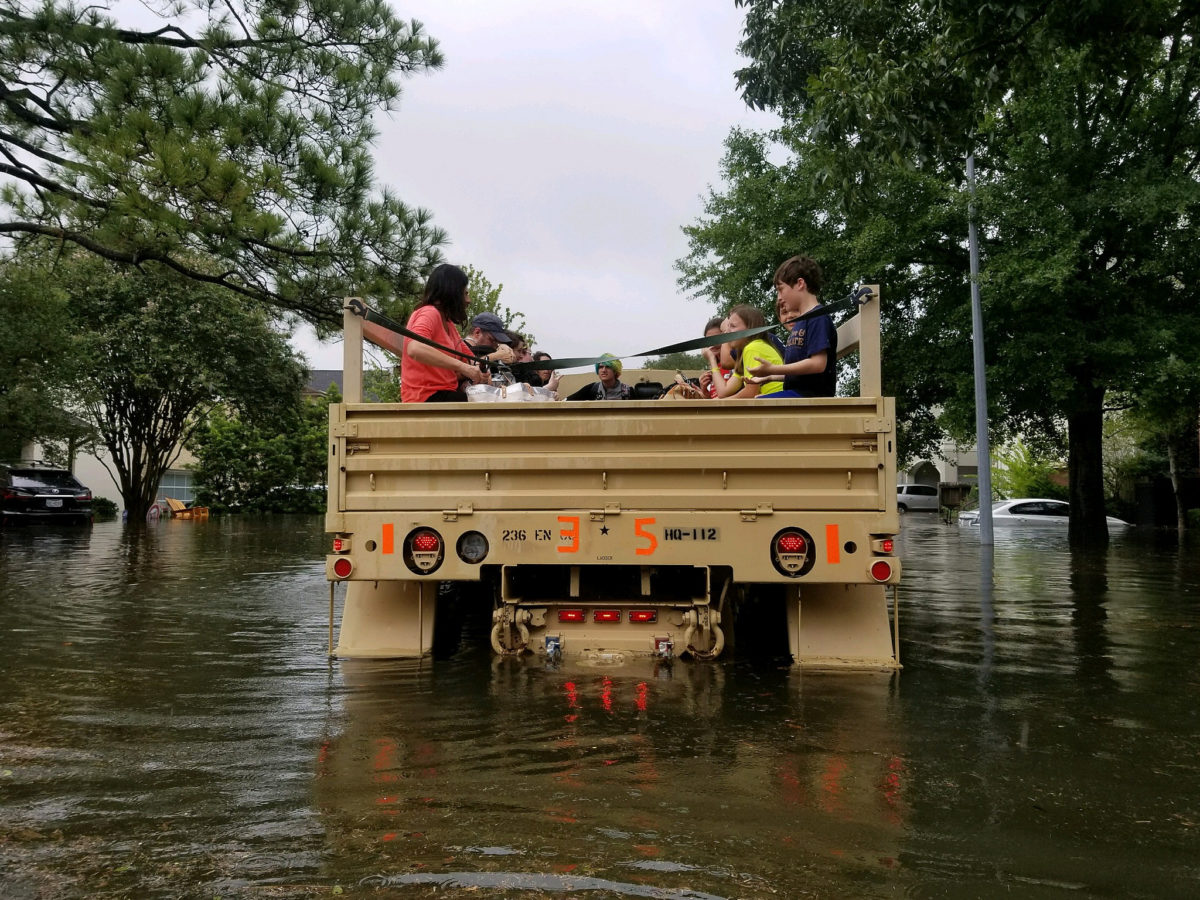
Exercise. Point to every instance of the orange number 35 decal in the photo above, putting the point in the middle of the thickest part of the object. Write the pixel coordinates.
(643, 533)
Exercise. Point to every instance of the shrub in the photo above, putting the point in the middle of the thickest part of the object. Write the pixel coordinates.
(103, 508)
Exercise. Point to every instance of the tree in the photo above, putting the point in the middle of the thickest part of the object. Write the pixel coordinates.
(36, 365)
(153, 353)
(684, 361)
(1085, 118)
(274, 465)
(1167, 413)
(227, 142)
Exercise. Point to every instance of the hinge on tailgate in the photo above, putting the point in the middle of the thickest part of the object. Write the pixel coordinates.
(763, 509)
(610, 509)
(344, 429)
(451, 515)
(877, 426)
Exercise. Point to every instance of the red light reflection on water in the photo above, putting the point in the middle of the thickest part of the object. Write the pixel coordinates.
(892, 789)
(831, 784)
(384, 760)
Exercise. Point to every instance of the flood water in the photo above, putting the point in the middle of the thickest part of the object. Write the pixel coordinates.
(170, 726)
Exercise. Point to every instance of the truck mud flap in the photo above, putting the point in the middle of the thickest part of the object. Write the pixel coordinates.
(841, 626)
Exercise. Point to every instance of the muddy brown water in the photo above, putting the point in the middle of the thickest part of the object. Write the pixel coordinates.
(170, 727)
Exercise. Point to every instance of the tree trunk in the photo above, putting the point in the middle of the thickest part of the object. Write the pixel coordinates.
(1173, 469)
(1085, 457)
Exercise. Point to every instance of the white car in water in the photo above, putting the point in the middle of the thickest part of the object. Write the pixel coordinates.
(1038, 513)
(916, 496)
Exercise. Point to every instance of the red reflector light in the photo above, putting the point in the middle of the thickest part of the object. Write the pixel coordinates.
(426, 542)
(607, 615)
(338, 545)
(888, 545)
(342, 567)
(570, 615)
(643, 615)
(790, 543)
(881, 570)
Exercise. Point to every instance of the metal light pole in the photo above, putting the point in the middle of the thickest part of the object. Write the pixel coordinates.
(982, 448)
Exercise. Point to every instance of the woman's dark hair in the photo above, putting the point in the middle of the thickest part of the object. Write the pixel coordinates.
(540, 355)
(447, 290)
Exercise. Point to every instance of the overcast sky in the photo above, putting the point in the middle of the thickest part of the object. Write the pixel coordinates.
(562, 147)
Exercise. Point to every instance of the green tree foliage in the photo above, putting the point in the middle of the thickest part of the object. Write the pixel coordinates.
(276, 465)
(892, 82)
(380, 383)
(1085, 120)
(1166, 419)
(37, 356)
(152, 352)
(1021, 472)
(687, 362)
(229, 142)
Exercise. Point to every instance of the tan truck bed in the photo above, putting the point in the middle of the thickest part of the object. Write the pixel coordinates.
(826, 454)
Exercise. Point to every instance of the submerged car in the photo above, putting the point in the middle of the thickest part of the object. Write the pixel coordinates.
(43, 494)
(1030, 512)
(916, 496)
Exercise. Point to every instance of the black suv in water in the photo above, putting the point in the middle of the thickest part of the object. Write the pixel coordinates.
(42, 494)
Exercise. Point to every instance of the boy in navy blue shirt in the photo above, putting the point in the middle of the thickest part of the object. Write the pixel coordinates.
(810, 354)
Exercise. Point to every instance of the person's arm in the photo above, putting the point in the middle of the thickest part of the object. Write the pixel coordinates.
(430, 356)
(750, 390)
(383, 337)
(812, 365)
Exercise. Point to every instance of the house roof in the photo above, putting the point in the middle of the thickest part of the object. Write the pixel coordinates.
(320, 380)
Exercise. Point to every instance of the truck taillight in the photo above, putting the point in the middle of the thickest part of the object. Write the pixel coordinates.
(341, 545)
(423, 550)
(881, 570)
(607, 615)
(426, 542)
(792, 552)
(342, 567)
(570, 615)
(883, 545)
(790, 543)
(643, 615)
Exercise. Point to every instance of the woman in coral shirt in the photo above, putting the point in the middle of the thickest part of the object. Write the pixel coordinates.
(427, 375)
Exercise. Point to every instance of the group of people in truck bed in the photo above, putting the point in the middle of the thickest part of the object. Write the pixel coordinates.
(758, 365)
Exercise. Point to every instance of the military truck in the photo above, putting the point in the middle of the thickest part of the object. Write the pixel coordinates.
(605, 531)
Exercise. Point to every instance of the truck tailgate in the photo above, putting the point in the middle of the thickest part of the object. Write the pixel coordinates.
(819, 454)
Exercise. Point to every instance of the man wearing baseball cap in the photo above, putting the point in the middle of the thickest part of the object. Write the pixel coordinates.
(486, 333)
